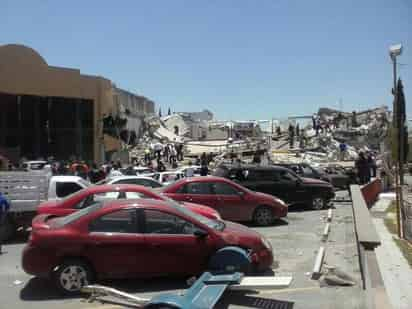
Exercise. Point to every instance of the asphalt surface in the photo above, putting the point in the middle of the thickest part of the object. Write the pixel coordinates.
(295, 242)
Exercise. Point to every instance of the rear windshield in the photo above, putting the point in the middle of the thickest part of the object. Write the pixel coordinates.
(62, 221)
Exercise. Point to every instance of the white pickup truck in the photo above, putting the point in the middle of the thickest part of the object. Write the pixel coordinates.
(26, 190)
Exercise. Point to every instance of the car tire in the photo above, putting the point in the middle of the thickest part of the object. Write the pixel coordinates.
(318, 203)
(263, 216)
(72, 275)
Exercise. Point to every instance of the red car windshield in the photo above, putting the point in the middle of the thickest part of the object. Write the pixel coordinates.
(214, 224)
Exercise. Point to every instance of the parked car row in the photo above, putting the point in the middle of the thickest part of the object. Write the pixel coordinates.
(134, 223)
(280, 182)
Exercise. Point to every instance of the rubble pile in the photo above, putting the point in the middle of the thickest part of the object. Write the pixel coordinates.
(364, 130)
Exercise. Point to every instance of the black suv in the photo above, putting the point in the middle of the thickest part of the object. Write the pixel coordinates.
(280, 182)
(338, 180)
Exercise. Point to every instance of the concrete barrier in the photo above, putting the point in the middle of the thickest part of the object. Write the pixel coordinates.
(367, 240)
(371, 191)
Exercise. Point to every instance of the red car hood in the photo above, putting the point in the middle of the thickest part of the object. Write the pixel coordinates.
(203, 210)
(46, 205)
(240, 235)
(314, 181)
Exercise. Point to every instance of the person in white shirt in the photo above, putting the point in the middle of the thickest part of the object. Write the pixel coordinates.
(115, 172)
(190, 172)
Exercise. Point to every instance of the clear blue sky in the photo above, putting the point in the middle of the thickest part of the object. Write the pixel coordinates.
(242, 59)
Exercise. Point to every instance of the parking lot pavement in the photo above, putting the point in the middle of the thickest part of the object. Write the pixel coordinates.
(295, 242)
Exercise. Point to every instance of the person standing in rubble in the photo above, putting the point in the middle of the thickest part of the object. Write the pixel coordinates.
(343, 148)
(179, 150)
(278, 131)
(297, 130)
(158, 147)
(372, 165)
(291, 136)
(317, 126)
(302, 139)
(166, 152)
(204, 165)
(146, 155)
(314, 121)
(362, 167)
(4, 208)
(189, 172)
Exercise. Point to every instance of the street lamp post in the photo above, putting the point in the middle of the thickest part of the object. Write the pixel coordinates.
(394, 51)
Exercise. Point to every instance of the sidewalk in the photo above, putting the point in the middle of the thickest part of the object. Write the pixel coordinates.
(395, 270)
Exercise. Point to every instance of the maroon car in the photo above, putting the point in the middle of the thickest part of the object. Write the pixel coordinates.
(231, 200)
(86, 197)
(135, 238)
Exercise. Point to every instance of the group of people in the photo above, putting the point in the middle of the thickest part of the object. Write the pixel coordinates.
(365, 166)
(171, 153)
(322, 126)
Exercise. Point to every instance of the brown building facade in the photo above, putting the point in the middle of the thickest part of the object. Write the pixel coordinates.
(50, 111)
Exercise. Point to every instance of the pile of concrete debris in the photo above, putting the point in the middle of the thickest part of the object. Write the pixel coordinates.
(358, 131)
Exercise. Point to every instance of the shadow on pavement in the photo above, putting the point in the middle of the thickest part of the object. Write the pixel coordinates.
(39, 289)
(43, 289)
(19, 238)
(277, 222)
(147, 285)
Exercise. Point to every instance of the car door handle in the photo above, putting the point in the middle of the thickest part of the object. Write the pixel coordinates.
(189, 198)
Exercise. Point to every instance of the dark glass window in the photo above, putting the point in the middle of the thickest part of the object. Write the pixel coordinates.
(65, 188)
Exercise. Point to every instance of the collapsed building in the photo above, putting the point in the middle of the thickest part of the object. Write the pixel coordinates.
(365, 130)
(60, 112)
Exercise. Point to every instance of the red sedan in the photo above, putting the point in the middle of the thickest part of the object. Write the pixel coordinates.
(136, 238)
(231, 200)
(86, 197)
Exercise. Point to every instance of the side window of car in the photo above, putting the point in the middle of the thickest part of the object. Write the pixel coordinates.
(158, 222)
(121, 221)
(224, 189)
(151, 184)
(122, 181)
(198, 188)
(294, 168)
(307, 170)
(287, 176)
(65, 188)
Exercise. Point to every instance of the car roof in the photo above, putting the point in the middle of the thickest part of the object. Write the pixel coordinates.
(116, 187)
(130, 177)
(138, 203)
(201, 179)
(67, 178)
(253, 167)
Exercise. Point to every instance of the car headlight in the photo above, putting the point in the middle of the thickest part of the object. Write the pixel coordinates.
(280, 202)
(266, 243)
(218, 217)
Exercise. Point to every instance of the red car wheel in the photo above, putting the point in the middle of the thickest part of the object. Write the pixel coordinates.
(72, 275)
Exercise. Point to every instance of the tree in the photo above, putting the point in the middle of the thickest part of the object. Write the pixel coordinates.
(168, 112)
(398, 124)
(160, 112)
